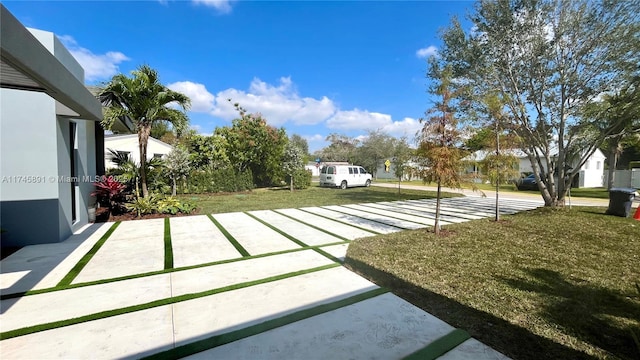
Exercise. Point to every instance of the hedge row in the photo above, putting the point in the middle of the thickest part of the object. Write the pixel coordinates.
(218, 180)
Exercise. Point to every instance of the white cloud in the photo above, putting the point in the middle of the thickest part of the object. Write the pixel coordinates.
(278, 104)
(222, 6)
(406, 127)
(361, 138)
(201, 99)
(96, 67)
(314, 138)
(197, 128)
(358, 120)
(281, 104)
(426, 52)
(316, 142)
(364, 120)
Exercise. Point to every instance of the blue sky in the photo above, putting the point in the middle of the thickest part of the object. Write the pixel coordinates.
(314, 68)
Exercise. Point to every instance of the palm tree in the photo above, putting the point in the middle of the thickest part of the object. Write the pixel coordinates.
(145, 101)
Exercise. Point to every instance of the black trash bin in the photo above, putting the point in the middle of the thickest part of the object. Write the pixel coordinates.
(620, 200)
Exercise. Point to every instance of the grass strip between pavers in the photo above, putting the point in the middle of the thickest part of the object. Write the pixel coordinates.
(378, 221)
(67, 279)
(231, 239)
(440, 346)
(159, 272)
(299, 242)
(311, 225)
(168, 249)
(222, 339)
(166, 301)
(432, 215)
(344, 222)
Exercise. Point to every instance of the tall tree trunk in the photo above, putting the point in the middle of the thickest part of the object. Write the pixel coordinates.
(436, 226)
(173, 188)
(291, 182)
(497, 173)
(613, 163)
(143, 139)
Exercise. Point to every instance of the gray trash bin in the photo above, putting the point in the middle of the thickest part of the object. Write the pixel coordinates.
(620, 200)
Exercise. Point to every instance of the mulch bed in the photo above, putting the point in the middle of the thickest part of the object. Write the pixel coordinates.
(102, 215)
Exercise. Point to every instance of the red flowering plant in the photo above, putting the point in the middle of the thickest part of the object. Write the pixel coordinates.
(111, 191)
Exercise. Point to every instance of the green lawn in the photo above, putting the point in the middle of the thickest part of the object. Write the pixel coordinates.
(279, 198)
(542, 284)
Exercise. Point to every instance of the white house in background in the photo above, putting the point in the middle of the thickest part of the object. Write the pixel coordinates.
(129, 144)
(50, 137)
(590, 175)
(313, 167)
(592, 172)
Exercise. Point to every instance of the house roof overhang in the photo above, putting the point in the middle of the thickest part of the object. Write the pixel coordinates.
(25, 64)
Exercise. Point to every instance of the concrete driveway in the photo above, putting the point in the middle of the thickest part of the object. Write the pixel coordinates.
(255, 285)
(505, 195)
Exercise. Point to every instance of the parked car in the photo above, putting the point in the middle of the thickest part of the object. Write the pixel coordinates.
(528, 183)
(344, 176)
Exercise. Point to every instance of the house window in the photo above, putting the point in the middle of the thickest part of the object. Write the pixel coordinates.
(597, 165)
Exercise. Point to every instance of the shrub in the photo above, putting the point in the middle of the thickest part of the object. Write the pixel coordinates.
(301, 179)
(168, 205)
(218, 180)
(186, 207)
(160, 205)
(110, 191)
(143, 206)
(172, 205)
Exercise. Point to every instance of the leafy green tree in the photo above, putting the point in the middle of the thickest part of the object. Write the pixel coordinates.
(402, 155)
(253, 144)
(375, 150)
(547, 59)
(480, 139)
(620, 114)
(301, 143)
(177, 165)
(206, 151)
(292, 161)
(162, 131)
(499, 166)
(144, 100)
(439, 139)
(341, 148)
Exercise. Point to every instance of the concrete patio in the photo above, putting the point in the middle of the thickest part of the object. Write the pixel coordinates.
(257, 285)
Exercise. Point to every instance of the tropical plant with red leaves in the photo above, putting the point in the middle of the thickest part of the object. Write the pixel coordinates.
(112, 191)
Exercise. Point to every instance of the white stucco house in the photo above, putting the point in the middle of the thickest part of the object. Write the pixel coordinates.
(590, 175)
(50, 137)
(315, 169)
(592, 172)
(128, 143)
